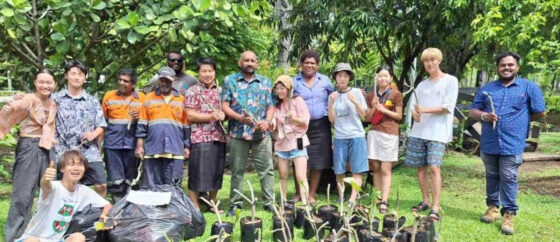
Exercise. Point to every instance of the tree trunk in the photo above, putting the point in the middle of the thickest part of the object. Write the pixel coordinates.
(283, 11)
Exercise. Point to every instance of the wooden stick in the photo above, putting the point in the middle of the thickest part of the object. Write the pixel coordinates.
(491, 106)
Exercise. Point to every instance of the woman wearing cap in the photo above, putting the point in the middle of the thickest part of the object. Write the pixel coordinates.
(347, 106)
(291, 118)
(383, 137)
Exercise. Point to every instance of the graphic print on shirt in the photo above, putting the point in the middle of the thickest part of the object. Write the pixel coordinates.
(65, 212)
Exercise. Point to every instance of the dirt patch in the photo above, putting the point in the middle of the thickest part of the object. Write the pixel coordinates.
(539, 185)
(538, 166)
(543, 185)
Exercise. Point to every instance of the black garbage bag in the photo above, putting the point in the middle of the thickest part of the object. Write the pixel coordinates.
(179, 220)
(83, 222)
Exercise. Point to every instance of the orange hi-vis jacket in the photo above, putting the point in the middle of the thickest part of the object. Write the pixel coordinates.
(164, 125)
(115, 108)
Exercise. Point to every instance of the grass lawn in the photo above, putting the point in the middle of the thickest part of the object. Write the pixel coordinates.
(549, 143)
(462, 201)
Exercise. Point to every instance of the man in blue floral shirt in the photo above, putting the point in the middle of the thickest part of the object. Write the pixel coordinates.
(247, 101)
(505, 126)
(79, 122)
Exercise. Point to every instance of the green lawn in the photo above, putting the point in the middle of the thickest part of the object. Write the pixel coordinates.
(462, 202)
(549, 143)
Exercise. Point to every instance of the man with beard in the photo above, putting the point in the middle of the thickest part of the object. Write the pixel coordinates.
(516, 102)
(163, 124)
(122, 109)
(182, 80)
(247, 101)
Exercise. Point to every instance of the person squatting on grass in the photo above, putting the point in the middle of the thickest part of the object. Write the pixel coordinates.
(247, 100)
(347, 106)
(432, 110)
(315, 89)
(208, 148)
(164, 126)
(385, 113)
(59, 200)
(291, 118)
(121, 108)
(516, 102)
(35, 113)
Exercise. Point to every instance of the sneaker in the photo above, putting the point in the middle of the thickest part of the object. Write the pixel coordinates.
(492, 214)
(232, 209)
(507, 223)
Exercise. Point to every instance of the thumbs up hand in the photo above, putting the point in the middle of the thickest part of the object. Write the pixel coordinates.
(50, 173)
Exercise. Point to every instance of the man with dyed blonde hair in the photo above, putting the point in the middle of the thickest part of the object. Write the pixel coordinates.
(432, 110)
(432, 53)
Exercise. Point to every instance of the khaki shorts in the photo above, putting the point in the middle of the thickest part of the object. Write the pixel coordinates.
(382, 146)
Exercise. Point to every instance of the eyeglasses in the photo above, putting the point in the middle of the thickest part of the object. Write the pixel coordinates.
(176, 60)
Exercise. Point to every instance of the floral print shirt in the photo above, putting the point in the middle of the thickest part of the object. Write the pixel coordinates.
(204, 100)
(74, 117)
(254, 97)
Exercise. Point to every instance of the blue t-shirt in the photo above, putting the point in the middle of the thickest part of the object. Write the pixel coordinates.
(514, 105)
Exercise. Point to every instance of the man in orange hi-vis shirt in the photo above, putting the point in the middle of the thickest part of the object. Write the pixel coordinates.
(121, 108)
(163, 127)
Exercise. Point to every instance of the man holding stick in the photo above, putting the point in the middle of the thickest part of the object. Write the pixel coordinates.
(121, 108)
(247, 101)
(516, 102)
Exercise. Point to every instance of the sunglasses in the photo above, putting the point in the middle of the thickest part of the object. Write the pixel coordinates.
(179, 60)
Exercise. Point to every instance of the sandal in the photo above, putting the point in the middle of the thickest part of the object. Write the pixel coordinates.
(422, 206)
(383, 207)
(433, 215)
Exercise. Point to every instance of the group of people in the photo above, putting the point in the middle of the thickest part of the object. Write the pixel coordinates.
(181, 118)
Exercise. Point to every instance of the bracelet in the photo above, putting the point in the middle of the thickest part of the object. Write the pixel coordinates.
(482, 117)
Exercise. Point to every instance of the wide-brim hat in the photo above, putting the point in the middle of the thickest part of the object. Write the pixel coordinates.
(343, 67)
(285, 80)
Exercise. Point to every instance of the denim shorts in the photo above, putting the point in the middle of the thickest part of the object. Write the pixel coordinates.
(422, 152)
(350, 150)
(289, 155)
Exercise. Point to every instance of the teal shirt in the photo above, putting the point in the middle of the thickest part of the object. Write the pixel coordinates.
(254, 97)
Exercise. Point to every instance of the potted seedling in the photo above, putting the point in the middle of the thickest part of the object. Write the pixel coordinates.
(282, 222)
(422, 230)
(314, 226)
(369, 230)
(220, 231)
(326, 211)
(251, 226)
(393, 224)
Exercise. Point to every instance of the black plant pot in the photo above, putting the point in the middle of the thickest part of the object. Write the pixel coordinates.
(325, 212)
(308, 231)
(277, 235)
(251, 230)
(389, 221)
(299, 218)
(365, 236)
(390, 232)
(375, 225)
(357, 222)
(335, 221)
(226, 226)
(424, 233)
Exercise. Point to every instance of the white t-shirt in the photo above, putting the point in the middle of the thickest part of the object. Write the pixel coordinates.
(347, 122)
(53, 215)
(441, 93)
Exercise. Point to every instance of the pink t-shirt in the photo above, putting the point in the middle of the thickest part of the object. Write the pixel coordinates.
(289, 132)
